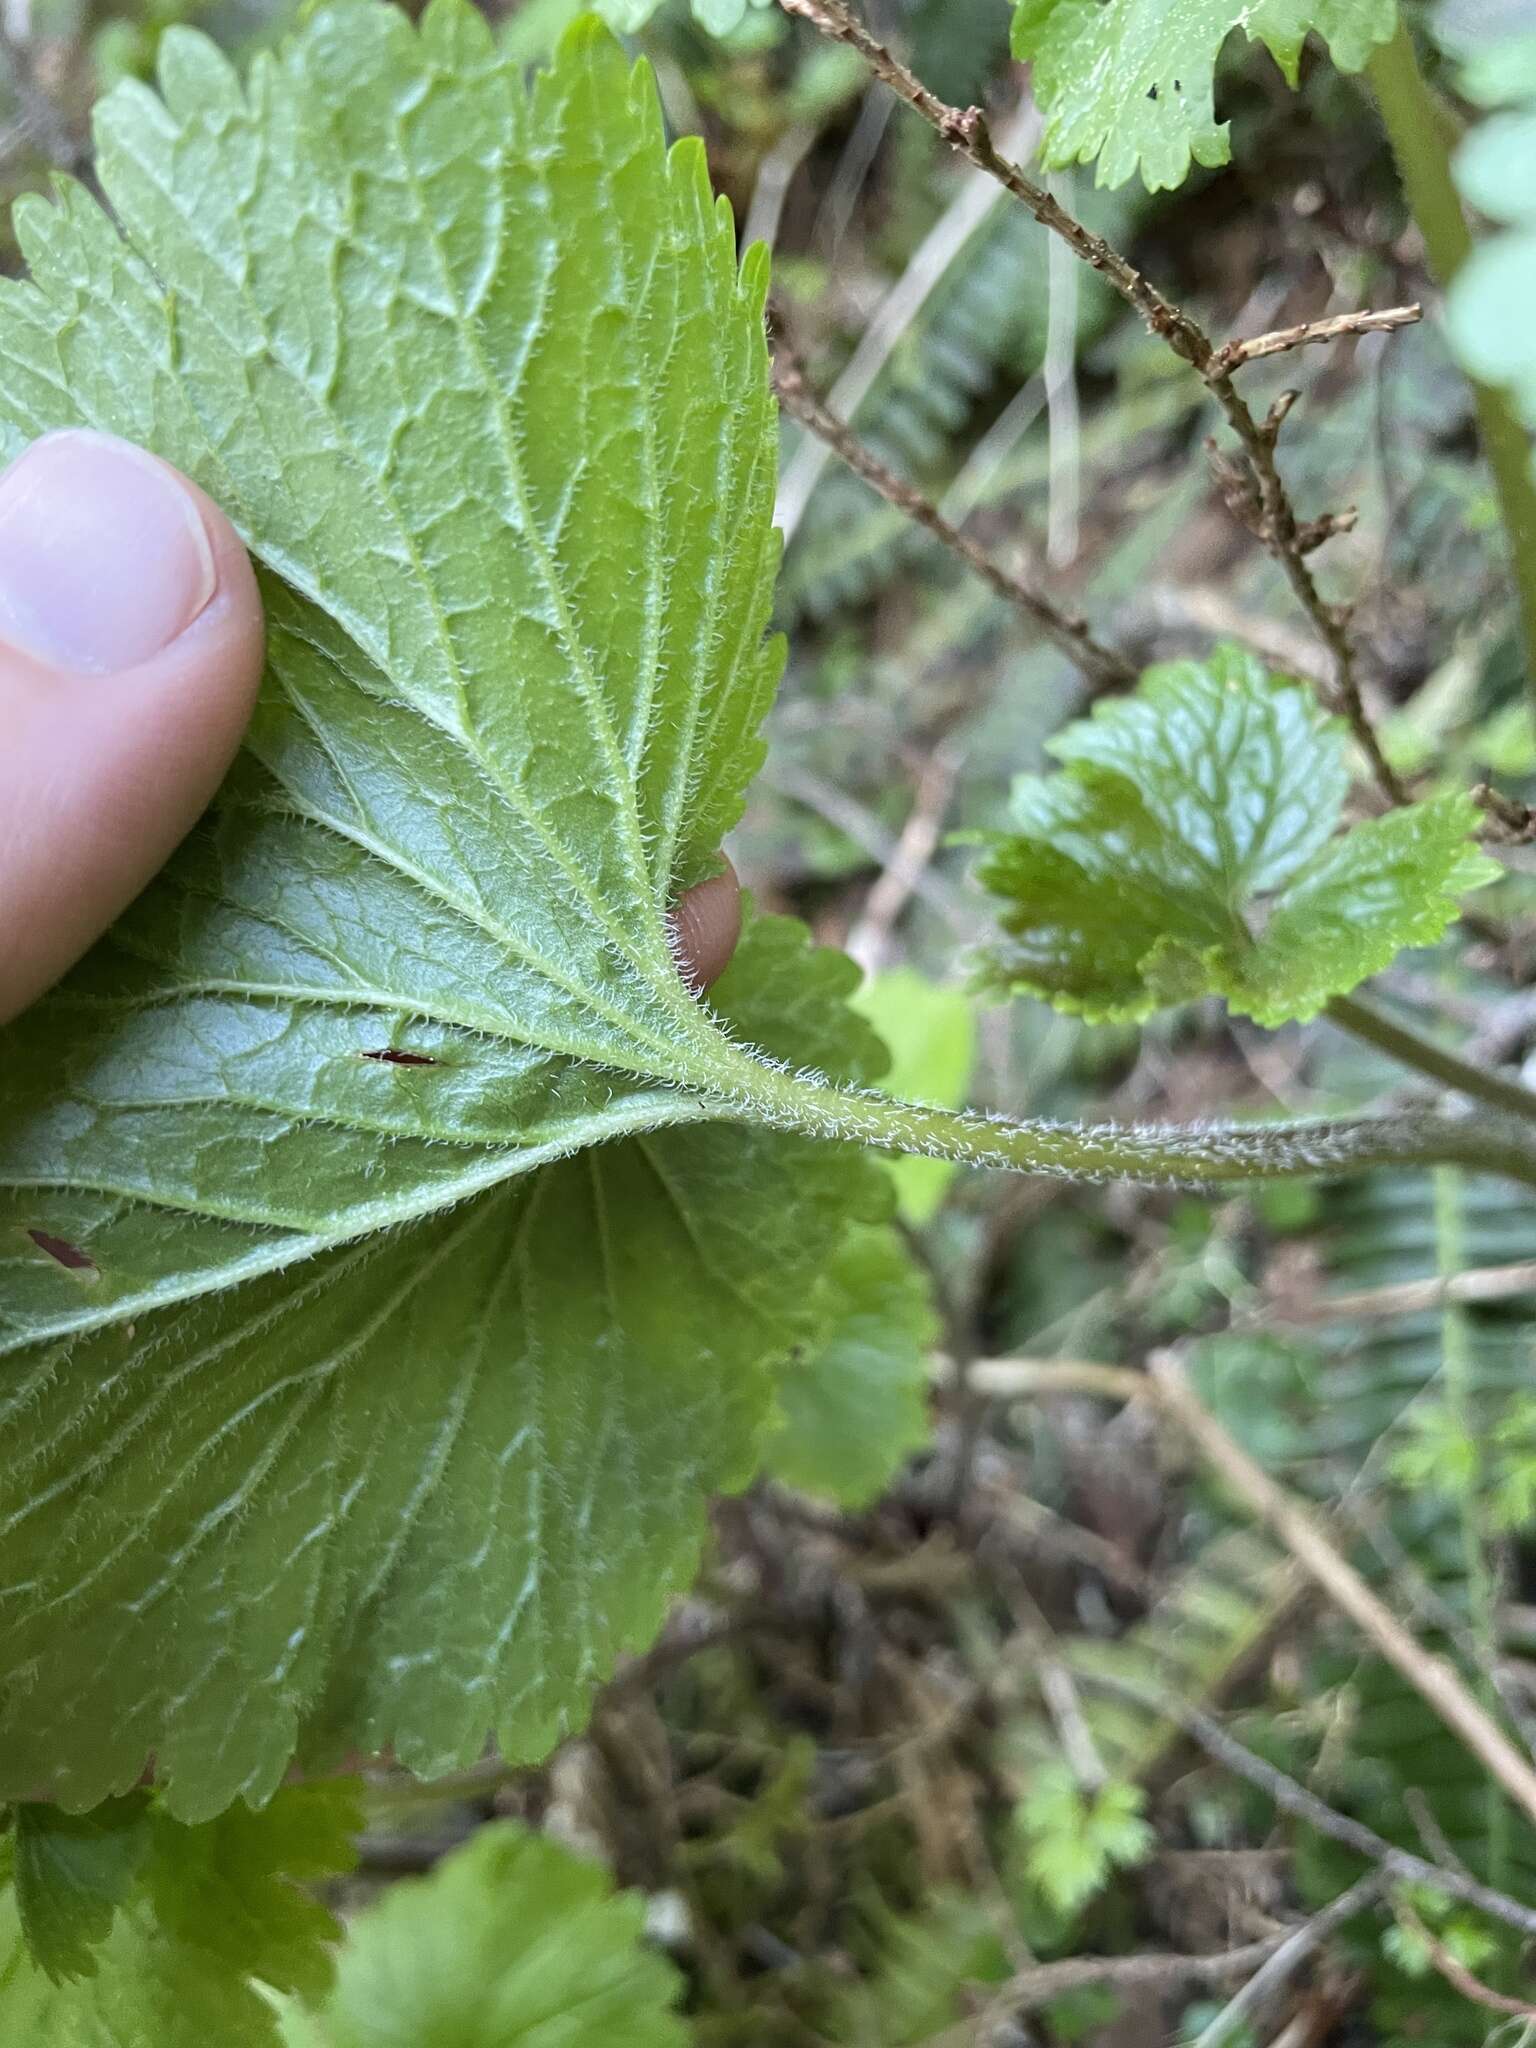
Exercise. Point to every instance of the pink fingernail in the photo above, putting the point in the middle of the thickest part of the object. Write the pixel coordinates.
(104, 557)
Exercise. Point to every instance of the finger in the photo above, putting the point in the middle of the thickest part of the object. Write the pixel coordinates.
(130, 652)
(705, 927)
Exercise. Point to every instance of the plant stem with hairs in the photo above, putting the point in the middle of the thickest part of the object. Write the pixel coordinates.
(1166, 1155)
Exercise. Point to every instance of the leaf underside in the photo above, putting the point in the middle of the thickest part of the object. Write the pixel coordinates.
(1132, 82)
(1190, 847)
(380, 1295)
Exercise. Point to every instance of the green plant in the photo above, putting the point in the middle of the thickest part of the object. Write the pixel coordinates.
(126, 1925)
(1131, 84)
(1326, 1411)
(512, 1942)
(396, 1256)
(1189, 848)
(409, 985)
(1075, 1836)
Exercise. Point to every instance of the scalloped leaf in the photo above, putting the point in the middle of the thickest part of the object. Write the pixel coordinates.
(199, 1913)
(1190, 847)
(511, 1942)
(387, 1272)
(428, 1483)
(71, 1872)
(1132, 82)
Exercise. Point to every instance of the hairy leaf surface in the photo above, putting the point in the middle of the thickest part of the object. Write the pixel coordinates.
(1190, 847)
(426, 1483)
(350, 1384)
(1132, 82)
(476, 375)
(202, 1912)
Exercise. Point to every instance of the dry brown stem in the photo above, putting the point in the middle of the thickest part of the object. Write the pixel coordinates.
(1040, 1983)
(1404, 1297)
(1435, 1681)
(1233, 354)
(1104, 668)
(1272, 516)
(1295, 1799)
(1298, 1528)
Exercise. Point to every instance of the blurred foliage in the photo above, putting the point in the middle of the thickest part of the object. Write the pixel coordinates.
(905, 1739)
(931, 1032)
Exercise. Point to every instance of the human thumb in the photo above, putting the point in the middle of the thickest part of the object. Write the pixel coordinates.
(130, 652)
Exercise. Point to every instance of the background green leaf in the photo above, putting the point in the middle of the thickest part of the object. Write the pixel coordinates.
(71, 1872)
(1132, 82)
(427, 1484)
(930, 1030)
(1491, 308)
(512, 1942)
(1188, 849)
(720, 17)
(203, 1911)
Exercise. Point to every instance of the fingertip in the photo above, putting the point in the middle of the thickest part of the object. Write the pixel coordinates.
(131, 650)
(706, 925)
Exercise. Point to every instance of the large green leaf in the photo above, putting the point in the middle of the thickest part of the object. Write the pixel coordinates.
(512, 1942)
(1132, 82)
(423, 1484)
(854, 1400)
(1191, 847)
(202, 1911)
(478, 377)
(339, 1392)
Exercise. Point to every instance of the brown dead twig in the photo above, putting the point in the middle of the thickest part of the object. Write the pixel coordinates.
(1401, 1297)
(1263, 504)
(1101, 665)
(1233, 354)
(1437, 1683)
(1039, 1983)
(901, 876)
(1284, 1792)
(1291, 1957)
